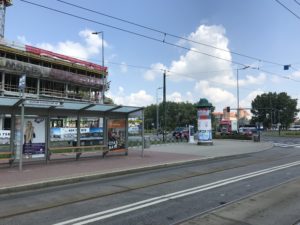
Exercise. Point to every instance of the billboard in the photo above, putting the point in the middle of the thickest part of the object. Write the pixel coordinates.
(34, 137)
(70, 134)
(116, 134)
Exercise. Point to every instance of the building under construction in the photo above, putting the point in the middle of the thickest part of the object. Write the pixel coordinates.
(49, 74)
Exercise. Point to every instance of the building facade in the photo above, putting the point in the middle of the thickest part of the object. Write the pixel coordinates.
(49, 75)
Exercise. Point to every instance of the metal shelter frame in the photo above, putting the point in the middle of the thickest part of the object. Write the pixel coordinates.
(61, 108)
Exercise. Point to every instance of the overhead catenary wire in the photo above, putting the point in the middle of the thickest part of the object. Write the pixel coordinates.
(168, 34)
(288, 9)
(151, 38)
(132, 32)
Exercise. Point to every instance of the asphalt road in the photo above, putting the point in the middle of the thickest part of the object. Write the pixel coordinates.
(163, 196)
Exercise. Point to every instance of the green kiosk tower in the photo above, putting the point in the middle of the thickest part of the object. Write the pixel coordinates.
(204, 122)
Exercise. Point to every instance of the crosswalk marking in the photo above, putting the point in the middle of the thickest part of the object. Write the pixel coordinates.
(284, 145)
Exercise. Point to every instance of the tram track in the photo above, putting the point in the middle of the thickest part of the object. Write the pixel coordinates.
(68, 200)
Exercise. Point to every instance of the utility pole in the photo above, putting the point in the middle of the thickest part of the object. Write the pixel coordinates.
(164, 106)
(157, 110)
(238, 94)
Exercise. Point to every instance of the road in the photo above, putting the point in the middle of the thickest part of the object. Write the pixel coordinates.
(163, 196)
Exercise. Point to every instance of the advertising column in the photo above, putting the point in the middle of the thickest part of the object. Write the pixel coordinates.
(204, 122)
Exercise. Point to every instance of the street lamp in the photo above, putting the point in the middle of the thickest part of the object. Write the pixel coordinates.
(104, 79)
(238, 94)
(279, 124)
(157, 110)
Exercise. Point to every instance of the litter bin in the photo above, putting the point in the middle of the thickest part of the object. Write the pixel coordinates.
(147, 143)
(256, 137)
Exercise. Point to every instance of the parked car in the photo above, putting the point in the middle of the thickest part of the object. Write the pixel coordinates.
(180, 133)
(247, 131)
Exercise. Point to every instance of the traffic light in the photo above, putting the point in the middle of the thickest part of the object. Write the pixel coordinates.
(228, 109)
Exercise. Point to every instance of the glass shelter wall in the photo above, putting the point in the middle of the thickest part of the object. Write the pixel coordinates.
(52, 127)
(63, 131)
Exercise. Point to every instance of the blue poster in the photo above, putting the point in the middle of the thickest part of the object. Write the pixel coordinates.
(205, 135)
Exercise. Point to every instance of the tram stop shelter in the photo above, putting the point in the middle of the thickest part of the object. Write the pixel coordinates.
(40, 128)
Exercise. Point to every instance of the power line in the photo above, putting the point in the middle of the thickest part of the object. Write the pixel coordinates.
(288, 9)
(282, 76)
(131, 32)
(168, 34)
(151, 38)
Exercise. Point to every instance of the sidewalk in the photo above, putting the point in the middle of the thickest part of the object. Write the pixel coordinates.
(158, 156)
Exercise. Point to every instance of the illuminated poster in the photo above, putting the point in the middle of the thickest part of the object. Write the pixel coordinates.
(70, 134)
(116, 134)
(34, 137)
(4, 137)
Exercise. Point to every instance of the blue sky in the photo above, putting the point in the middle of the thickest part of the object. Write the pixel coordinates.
(262, 29)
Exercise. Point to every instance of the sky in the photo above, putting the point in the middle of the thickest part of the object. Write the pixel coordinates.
(263, 30)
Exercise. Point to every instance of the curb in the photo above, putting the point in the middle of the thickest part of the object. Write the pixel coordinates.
(80, 178)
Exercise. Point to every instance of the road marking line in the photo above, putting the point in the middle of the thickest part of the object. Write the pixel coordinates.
(163, 198)
(283, 145)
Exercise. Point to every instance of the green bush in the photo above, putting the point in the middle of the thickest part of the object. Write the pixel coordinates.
(235, 137)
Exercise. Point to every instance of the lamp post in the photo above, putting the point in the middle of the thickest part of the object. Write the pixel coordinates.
(238, 94)
(279, 124)
(104, 79)
(157, 110)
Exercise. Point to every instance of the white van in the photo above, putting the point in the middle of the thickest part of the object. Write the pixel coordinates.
(294, 127)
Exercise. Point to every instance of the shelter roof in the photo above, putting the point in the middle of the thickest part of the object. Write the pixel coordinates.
(12, 102)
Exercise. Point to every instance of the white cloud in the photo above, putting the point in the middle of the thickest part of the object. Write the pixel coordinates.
(296, 74)
(275, 79)
(175, 97)
(140, 98)
(200, 66)
(213, 76)
(23, 40)
(246, 102)
(217, 96)
(124, 67)
(92, 45)
(260, 79)
(156, 71)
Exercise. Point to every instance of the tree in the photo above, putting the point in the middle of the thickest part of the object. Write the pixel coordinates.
(273, 108)
(177, 115)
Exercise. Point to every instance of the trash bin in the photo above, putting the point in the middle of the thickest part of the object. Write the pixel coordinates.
(256, 137)
(147, 143)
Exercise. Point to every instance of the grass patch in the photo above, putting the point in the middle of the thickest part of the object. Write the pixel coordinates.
(6, 156)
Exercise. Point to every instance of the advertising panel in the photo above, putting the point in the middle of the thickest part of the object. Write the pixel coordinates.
(34, 137)
(4, 137)
(116, 134)
(70, 134)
